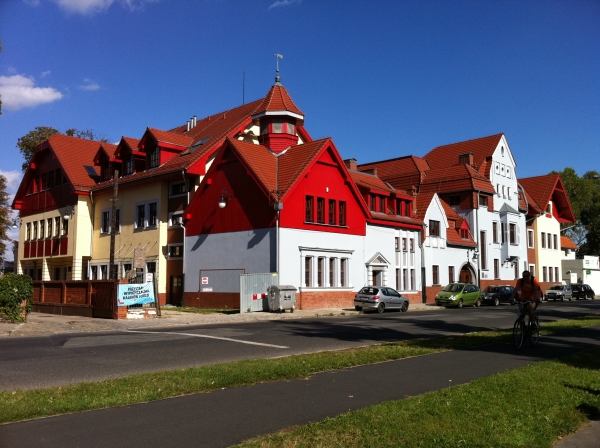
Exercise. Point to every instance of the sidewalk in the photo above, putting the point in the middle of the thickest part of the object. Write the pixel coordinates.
(224, 417)
(40, 324)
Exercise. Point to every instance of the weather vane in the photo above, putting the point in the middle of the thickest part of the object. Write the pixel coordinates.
(277, 58)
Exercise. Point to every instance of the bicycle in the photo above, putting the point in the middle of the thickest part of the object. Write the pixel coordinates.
(521, 330)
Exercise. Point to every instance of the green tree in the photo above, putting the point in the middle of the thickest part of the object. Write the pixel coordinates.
(29, 142)
(5, 221)
(584, 195)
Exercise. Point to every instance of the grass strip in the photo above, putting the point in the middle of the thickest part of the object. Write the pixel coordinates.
(528, 407)
(19, 405)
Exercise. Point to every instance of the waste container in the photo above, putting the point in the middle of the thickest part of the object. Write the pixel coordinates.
(281, 298)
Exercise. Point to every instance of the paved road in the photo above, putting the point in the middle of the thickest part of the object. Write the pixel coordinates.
(35, 362)
(225, 417)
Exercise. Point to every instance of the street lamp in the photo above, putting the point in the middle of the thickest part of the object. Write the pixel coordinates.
(225, 198)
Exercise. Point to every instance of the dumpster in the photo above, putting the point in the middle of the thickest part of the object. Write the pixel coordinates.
(281, 298)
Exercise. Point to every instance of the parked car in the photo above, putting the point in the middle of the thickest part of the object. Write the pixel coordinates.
(559, 292)
(582, 291)
(380, 298)
(458, 294)
(493, 295)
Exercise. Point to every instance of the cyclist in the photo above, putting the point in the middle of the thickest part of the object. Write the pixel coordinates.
(528, 290)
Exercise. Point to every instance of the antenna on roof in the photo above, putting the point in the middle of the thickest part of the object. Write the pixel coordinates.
(277, 78)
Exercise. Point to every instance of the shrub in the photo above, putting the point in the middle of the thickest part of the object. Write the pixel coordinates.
(14, 289)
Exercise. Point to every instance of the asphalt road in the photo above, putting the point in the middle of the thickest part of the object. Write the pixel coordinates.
(225, 417)
(36, 362)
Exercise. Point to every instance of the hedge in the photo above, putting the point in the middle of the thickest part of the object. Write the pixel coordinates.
(14, 289)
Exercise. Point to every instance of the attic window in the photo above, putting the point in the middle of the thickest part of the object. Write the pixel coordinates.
(153, 157)
(464, 234)
(454, 199)
(483, 201)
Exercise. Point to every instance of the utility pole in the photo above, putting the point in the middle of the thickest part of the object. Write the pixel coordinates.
(113, 225)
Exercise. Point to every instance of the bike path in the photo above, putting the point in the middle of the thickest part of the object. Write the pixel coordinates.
(226, 417)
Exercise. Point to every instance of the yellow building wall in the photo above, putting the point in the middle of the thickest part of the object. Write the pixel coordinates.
(153, 240)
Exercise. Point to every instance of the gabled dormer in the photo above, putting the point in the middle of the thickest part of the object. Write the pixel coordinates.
(106, 160)
(132, 159)
(278, 119)
(160, 146)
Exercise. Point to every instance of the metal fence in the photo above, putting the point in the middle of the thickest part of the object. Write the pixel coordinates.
(220, 280)
(253, 291)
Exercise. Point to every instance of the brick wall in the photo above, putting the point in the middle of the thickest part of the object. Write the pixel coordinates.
(324, 299)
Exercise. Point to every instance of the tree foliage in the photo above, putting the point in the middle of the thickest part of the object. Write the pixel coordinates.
(4, 215)
(29, 142)
(15, 297)
(584, 194)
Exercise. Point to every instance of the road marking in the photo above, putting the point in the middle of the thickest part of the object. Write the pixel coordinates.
(208, 337)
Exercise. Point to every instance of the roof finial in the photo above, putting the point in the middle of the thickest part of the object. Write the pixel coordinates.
(277, 78)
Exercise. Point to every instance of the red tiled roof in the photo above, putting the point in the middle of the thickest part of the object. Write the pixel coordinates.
(447, 155)
(550, 187)
(567, 243)
(170, 137)
(532, 207)
(277, 100)
(402, 173)
(73, 153)
(455, 178)
(453, 233)
(422, 204)
(372, 182)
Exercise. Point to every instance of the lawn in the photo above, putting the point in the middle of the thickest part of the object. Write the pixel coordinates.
(527, 407)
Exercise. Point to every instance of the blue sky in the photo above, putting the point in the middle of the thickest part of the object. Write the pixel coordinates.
(383, 78)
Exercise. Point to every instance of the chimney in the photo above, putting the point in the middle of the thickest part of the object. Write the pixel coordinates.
(466, 159)
(195, 119)
(350, 164)
(188, 126)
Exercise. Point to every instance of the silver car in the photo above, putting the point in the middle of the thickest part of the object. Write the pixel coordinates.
(559, 292)
(380, 298)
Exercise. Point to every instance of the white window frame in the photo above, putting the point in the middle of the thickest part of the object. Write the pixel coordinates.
(171, 215)
(109, 211)
(530, 238)
(146, 205)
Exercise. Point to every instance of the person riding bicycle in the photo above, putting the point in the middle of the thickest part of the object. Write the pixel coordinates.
(528, 290)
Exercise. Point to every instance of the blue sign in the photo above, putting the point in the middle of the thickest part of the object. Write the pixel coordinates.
(135, 294)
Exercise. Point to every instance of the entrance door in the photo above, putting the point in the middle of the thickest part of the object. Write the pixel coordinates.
(377, 278)
(465, 275)
(176, 292)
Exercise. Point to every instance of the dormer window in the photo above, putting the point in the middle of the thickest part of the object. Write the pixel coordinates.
(129, 164)
(105, 169)
(277, 126)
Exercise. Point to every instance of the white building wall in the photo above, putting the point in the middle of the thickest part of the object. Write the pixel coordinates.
(549, 254)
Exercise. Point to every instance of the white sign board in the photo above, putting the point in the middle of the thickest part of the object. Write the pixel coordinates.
(149, 277)
(205, 280)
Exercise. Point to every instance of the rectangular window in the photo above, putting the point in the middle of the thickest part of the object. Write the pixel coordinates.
(382, 207)
(28, 231)
(434, 228)
(44, 180)
(51, 179)
(58, 180)
(532, 269)
(321, 210)
(550, 274)
(454, 199)
(175, 219)
(517, 271)
(129, 164)
(412, 280)
(65, 227)
(175, 250)
(545, 274)
(495, 232)
(397, 239)
(342, 213)
(483, 200)
(153, 157)
(496, 268)
(320, 271)
(332, 272)
(117, 220)
(450, 274)
(105, 224)
(57, 226)
(543, 240)
(141, 216)
(530, 239)
(503, 232)
(464, 234)
(405, 284)
(404, 246)
(549, 241)
(373, 203)
(49, 222)
(343, 268)
(309, 208)
(435, 275)
(153, 215)
(513, 233)
(332, 214)
(483, 249)
(178, 189)
(556, 274)
(308, 271)
(555, 241)
(42, 225)
(412, 245)
(35, 230)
